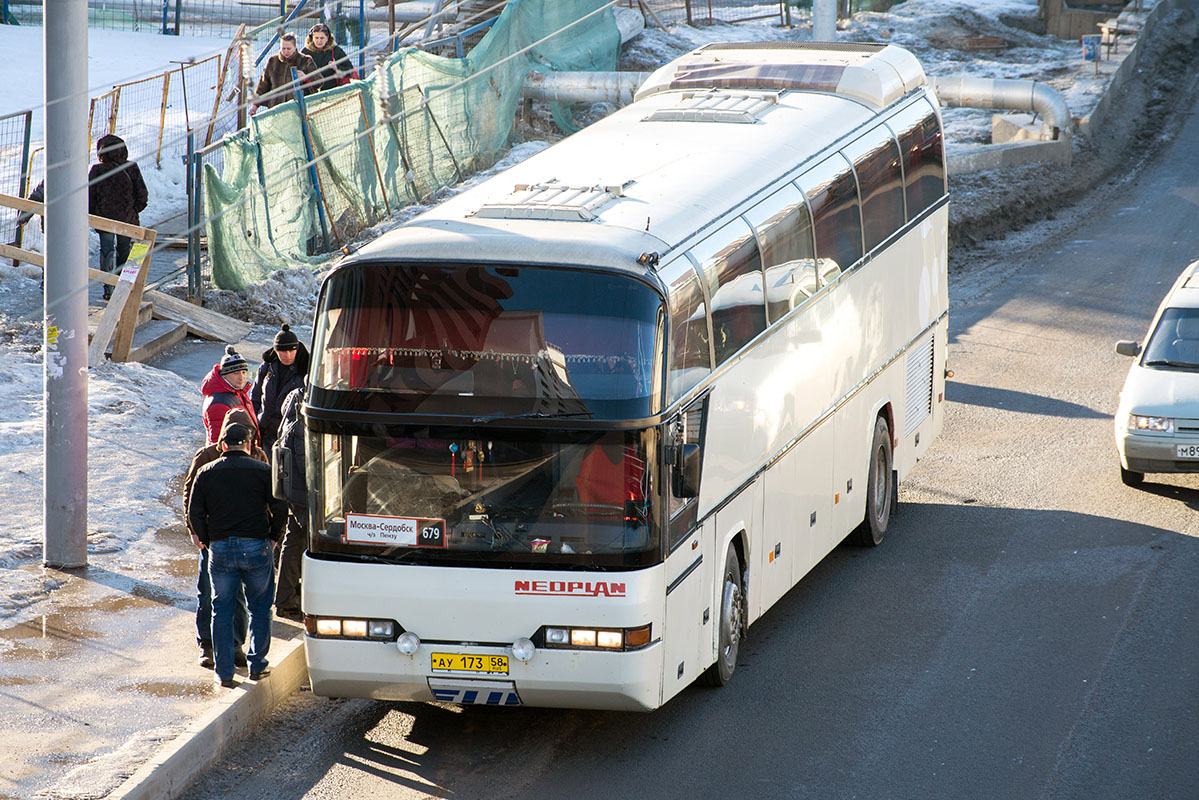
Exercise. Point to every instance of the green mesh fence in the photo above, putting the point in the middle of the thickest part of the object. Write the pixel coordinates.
(420, 123)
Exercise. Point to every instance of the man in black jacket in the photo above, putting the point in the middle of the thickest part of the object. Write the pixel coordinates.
(284, 367)
(233, 513)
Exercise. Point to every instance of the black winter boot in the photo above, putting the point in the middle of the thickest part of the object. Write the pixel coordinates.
(206, 655)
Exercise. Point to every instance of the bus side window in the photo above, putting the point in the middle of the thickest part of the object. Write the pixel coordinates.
(922, 154)
(690, 357)
(880, 180)
(784, 228)
(732, 266)
(836, 216)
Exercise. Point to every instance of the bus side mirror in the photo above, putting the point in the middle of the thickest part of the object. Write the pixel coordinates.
(684, 474)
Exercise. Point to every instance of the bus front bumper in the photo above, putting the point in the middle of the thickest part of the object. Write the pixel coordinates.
(626, 681)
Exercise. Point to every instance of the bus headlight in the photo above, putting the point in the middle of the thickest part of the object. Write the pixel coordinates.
(338, 628)
(408, 643)
(523, 649)
(595, 638)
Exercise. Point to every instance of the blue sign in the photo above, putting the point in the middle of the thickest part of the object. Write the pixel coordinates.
(1090, 47)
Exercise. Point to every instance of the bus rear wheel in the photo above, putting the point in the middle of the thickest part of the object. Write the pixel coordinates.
(879, 489)
(731, 622)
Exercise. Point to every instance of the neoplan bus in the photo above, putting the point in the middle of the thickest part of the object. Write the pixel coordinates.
(574, 430)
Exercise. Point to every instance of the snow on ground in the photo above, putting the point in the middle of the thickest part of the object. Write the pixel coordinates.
(144, 423)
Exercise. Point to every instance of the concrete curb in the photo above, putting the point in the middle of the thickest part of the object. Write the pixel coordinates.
(206, 738)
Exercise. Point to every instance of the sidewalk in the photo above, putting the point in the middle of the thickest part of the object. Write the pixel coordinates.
(102, 695)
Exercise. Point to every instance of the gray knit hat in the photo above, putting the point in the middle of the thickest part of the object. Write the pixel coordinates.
(232, 362)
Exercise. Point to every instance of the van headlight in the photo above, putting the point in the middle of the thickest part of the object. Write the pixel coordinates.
(1151, 424)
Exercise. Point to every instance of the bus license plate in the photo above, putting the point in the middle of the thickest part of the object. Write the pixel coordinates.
(465, 662)
(1188, 451)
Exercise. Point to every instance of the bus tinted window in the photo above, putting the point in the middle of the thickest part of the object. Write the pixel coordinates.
(876, 161)
(732, 266)
(923, 156)
(837, 219)
(690, 359)
(486, 339)
(784, 227)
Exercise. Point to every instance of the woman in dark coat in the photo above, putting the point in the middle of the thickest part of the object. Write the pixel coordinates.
(283, 369)
(276, 85)
(116, 191)
(332, 65)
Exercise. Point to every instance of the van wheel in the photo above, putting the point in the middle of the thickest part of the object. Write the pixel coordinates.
(1131, 478)
(731, 621)
(879, 490)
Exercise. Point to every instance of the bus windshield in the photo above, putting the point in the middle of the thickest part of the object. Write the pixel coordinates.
(443, 495)
(491, 341)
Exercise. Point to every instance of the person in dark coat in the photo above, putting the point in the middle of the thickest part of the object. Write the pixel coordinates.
(203, 457)
(333, 67)
(115, 190)
(38, 195)
(226, 386)
(295, 541)
(276, 85)
(237, 519)
(283, 369)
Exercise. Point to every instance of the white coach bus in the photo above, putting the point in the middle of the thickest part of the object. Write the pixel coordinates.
(576, 428)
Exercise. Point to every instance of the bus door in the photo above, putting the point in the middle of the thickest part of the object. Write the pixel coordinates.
(690, 619)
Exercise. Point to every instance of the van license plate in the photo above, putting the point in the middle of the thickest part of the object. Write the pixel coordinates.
(466, 662)
(1188, 450)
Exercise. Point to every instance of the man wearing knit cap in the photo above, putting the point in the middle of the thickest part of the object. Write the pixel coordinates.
(284, 369)
(234, 515)
(226, 386)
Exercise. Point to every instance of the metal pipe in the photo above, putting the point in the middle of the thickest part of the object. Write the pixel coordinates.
(583, 87)
(65, 334)
(1014, 95)
(415, 11)
(824, 20)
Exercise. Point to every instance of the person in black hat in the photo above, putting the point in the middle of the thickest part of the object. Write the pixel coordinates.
(233, 514)
(226, 386)
(284, 368)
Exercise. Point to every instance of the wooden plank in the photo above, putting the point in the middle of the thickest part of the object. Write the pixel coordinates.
(20, 254)
(159, 342)
(124, 337)
(203, 322)
(135, 232)
(110, 318)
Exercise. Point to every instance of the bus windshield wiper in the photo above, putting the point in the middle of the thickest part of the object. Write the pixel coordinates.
(1168, 363)
(530, 415)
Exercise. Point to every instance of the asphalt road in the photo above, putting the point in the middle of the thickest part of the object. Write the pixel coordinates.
(1028, 630)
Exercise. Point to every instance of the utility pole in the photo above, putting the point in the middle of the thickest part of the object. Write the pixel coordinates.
(824, 20)
(65, 336)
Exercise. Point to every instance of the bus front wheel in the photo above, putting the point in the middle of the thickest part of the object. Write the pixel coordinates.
(731, 622)
(879, 490)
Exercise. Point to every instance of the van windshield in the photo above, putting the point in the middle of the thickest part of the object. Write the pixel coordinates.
(1175, 340)
(491, 341)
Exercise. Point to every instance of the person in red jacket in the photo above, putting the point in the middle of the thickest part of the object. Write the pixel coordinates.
(226, 387)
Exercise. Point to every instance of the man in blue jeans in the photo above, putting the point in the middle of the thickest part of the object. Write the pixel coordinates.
(234, 515)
